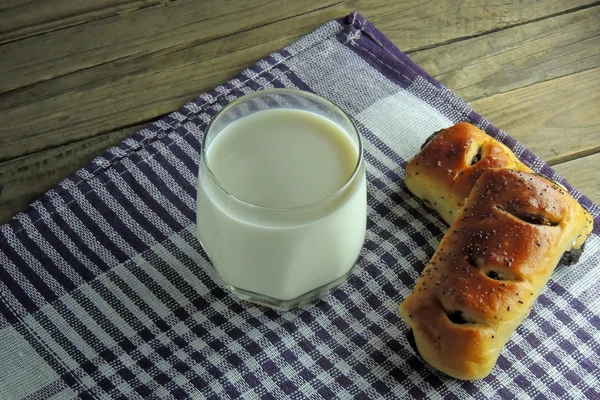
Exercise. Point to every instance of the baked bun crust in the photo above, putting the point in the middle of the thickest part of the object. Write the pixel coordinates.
(443, 173)
(490, 266)
(449, 164)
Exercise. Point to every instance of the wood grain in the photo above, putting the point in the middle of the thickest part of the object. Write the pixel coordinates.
(529, 114)
(416, 25)
(411, 24)
(142, 31)
(22, 18)
(583, 174)
(24, 179)
(518, 56)
(77, 97)
(558, 120)
(129, 91)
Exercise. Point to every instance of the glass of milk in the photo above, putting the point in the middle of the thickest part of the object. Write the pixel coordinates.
(282, 197)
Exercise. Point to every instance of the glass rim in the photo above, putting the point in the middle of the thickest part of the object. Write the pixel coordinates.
(335, 194)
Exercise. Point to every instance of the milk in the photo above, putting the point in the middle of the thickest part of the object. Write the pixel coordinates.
(290, 214)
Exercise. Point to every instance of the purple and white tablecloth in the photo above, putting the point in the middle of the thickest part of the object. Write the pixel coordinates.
(106, 293)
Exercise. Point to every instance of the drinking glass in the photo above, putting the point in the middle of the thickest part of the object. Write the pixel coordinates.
(281, 257)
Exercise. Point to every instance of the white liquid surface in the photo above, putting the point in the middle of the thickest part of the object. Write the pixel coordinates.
(282, 158)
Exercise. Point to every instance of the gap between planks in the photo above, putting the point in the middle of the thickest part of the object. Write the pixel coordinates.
(83, 142)
(141, 33)
(148, 86)
(559, 120)
(65, 20)
(25, 178)
(449, 29)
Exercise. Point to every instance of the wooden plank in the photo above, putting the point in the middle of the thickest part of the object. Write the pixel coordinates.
(411, 24)
(584, 175)
(21, 19)
(143, 31)
(86, 103)
(517, 57)
(131, 90)
(415, 25)
(528, 114)
(24, 179)
(558, 120)
(127, 92)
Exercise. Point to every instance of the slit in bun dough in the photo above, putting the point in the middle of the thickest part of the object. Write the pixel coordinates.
(449, 164)
(489, 269)
(443, 173)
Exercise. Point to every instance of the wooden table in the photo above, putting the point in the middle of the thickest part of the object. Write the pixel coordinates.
(77, 76)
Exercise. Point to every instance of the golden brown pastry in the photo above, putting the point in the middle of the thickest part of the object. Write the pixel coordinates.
(443, 173)
(489, 269)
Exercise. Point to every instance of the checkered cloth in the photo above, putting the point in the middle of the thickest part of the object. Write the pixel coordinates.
(105, 291)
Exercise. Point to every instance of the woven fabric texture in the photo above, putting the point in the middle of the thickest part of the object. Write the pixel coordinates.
(105, 291)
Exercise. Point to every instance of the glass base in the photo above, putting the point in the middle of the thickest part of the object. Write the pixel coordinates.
(285, 305)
